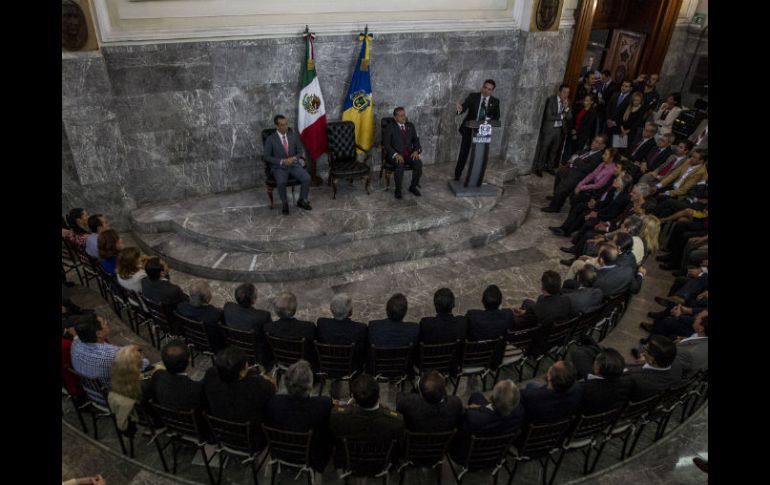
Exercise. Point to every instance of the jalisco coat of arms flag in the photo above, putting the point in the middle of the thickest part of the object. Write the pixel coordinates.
(312, 110)
(358, 106)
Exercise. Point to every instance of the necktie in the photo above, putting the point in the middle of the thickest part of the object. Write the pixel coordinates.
(637, 146)
(621, 98)
(403, 136)
(483, 109)
(702, 136)
(285, 144)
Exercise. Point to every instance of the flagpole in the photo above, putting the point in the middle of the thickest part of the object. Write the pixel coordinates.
(315, 180)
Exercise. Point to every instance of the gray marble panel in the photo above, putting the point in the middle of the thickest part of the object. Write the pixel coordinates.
(257, 61)
(164, 111)
(97, 152)
(84, 76)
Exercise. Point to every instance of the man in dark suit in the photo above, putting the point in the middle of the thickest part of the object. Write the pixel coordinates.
(432, 411)
(551, 305)
(557, 399)
(585, 298)
(556, 119)
(171, 387)
(604, 389)
(299, 412)
(402, 145)
(444, 327)
(341, 330)
(613, 279)
(655, 157)
(288, 327)
(640, 146)
(692, 353)
(605, 89)
(157, 288)
(492, 322)
(394, 331)
(366, 419)
(616, 106)
(659, 372)
(576, 169)
(479, 107)
(199, 309)
(501, 415)
(285, 153)
(242, 315)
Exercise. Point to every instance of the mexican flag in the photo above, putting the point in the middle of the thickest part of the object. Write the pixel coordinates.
(312, 110)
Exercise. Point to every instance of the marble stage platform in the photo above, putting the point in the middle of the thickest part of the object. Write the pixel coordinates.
(237, 237)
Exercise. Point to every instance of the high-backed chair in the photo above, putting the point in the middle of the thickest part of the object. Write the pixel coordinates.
(195, 336)
(424, 450)
(539, 442)
(391, 364)
(335, 362)
(483, 453)
(289, 449)
(476, 359)
(235, 440)
(285, 353)
(342, 155)
(367, 458)
(270, 183)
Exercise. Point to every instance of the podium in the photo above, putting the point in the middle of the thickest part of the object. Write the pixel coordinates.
(473, 185)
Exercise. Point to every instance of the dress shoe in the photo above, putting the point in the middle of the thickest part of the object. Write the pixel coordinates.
(285, 209)
(669, 266)
(303, 204)
(669, 301)
(556, 230)
(415, 191)
(550, 210)
(646, 326)
(398, 195)
(569, 250)
(702, 464)
(567, 262)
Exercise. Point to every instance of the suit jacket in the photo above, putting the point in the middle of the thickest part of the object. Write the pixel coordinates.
(210, 316)
(489, 324)
(291, 328)
(544, 405)
(551, 114)
(637, 154)
(665, 122)
(606, 94)
(443, 329)
(344, 332)
(692, 356)
(634, 121)
(484, 421)
(175, 391)
(300, 415)
(617, 279)
(273, 150)
(355, 423)
(627, 259)
(600, 395)
(583, 299)
(611, 207)
(647, 382)
(389, 333)
(655, 157)
(615, 112)
(395, 143)
(582, 167)
(471, 106)
(249, 320)
(689, 182)
(163, 292)
(421, 417)
(671, 163)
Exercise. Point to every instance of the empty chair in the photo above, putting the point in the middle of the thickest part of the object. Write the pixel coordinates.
(343, 163)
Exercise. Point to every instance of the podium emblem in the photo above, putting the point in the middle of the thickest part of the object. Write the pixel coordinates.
(485, 129)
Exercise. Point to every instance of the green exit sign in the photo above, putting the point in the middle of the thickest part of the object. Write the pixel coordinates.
(698, 18)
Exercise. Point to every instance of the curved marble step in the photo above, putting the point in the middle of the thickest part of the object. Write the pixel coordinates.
(243, 221)
(270, 266)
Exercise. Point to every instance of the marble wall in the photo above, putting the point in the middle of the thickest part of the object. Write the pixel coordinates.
(165, 121)
(683, 46)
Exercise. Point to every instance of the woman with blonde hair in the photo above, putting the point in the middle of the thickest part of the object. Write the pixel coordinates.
(131, 269)
(126, 384)
(633, 117)
(649, 233)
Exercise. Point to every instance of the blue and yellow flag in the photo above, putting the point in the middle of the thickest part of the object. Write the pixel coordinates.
(358, 106)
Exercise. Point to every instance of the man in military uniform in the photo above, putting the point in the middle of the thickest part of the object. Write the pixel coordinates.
(364, 420)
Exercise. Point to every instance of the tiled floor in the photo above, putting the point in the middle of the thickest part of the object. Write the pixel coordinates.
(514, 263)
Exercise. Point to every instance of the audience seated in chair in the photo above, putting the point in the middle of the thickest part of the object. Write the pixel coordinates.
(583, 297)
(492, 322)
(551, 306)
(394, 331)
(236, 392)
(299, 412)
(130, 269)
(110, 245)
(692, 353)
(76, 231)
(657, 372)
(171, 387)
(341, 330)
(156, 287)
(604, 388)
(365, 419)
(97, 224)
(556, 399)
(614, 279)
(126, 391)
(241, 315)
(288, 327)
(444, 328)
(501, 414)
(430, 411)
(199, 309)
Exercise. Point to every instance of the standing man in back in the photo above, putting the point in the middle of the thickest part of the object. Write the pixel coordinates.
(556, 118)
(479, 107)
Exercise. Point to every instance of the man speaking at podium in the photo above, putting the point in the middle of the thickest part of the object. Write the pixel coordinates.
(480, 106)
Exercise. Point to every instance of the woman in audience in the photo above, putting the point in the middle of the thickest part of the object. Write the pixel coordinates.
(649, 234)
(633, 117)
(583, 126)
(665, 115)
(126, 385)
(130, 269)
(110, 244)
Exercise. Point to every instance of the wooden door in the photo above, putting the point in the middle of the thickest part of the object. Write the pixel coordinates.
(624, 54)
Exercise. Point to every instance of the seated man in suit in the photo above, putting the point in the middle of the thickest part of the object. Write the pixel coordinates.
(639, 147)
(654, 158)
(199, 309)
(431, 411)
(557, 399)
(286, 155)
(444, 328)
(682, 179)
(491, 322)
(394, 331)
(299, 412)
(692, 353)
(501, 415)
(681, 151)
(551, 307)
(614, 279)
(236, 392)
(341, 330)
(157, 288)
(581, 292)
(288, 327)
(241, 315)
(366, 419)
(659, 371)
(604, 389)
(577, 168)
(402, 146)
